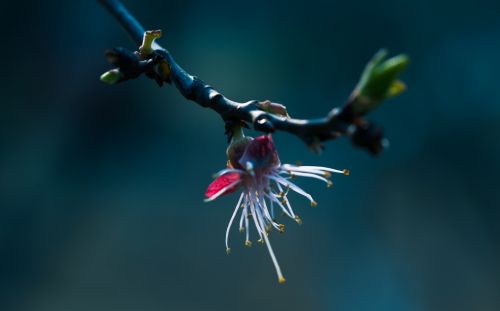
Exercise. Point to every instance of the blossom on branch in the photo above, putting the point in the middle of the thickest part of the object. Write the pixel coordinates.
(255, 168)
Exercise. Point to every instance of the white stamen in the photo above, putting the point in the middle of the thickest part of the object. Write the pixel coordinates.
(231, 220)
(241, 221)
(311, 176)
(287, 204)
(322, 168)
(275, 199)
(281, 279)
(292, 186)
(227, 170)
(265, 212)
(262, 222)
(260, 230)
(283, 193)
(292, 168)
(268, 216)
(272, 209)
(247, 227)
(290, 208)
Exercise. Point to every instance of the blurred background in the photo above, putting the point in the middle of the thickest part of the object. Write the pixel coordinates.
(101, 187)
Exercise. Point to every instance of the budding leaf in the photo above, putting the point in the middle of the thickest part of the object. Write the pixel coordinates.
(379, 81)
(112, 76)
(148, 39)
(147, 48)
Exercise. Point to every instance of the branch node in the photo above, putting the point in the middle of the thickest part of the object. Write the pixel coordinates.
(263, 124)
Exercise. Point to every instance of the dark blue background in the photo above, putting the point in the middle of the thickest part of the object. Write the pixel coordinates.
(101, 186)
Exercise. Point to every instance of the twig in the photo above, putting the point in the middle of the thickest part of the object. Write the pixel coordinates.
(346, 120)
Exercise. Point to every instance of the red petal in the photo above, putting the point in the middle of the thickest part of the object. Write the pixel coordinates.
(261, 152)
(221, 182)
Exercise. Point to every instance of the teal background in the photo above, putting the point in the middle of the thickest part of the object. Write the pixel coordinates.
(101, 187)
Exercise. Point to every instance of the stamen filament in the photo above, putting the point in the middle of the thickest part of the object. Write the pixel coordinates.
(247, 227)
(324, 169)
(243, 212)
(290, 208)
(227, 170)
(272, 209)
(291, 168)
(267, 215)
(231, 221)
(279, 204)
(254, 216)
(293, 186)
(281, 279)
(285, 199)
(311, 176)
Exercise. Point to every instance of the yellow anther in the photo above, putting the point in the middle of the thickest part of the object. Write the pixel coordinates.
(248, 243)
(281, 280)
(281, 228)
(242, 229)
(261, 241)
(329, 184)
(314, 203)
(228, 251)
(327, 174)
(298, 220)
(346, 172)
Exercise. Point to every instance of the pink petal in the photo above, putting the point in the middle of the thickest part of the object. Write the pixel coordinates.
(222, 181)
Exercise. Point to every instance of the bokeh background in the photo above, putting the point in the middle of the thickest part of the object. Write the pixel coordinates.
(101, 187)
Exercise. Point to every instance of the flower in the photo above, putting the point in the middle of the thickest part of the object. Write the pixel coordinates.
(255, 168)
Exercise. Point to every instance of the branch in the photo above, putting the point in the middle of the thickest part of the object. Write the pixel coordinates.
(378, 82)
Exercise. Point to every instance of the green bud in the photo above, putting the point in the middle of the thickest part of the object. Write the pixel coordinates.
(379, 81)
(112, 76)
